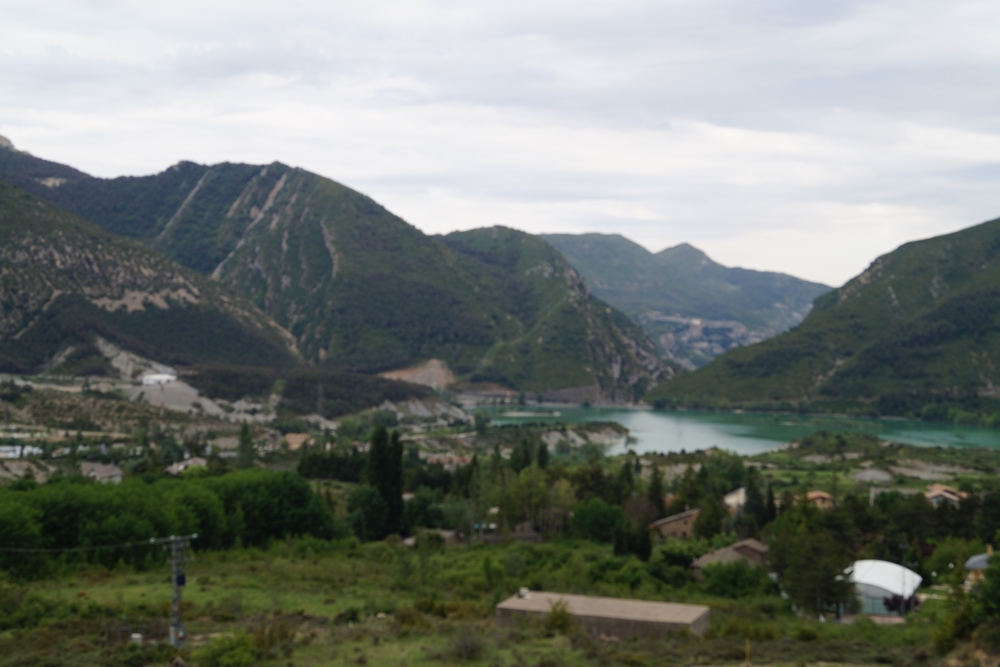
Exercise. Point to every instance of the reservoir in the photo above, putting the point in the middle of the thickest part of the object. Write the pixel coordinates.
(742, 433)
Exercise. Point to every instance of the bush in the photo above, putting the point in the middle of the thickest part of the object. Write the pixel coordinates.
(596, 520)
(368, 512)
(736, 580)
(987, 635)
(559, 621)
(235, 651)
(467, 646)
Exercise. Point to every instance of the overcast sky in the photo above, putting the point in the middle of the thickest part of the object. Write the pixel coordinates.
(806, 137)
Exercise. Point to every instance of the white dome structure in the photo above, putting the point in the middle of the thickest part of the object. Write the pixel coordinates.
(878, 581)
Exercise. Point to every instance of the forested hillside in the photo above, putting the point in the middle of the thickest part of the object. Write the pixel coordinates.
(357, 287)
(915, 333)
(71, 294)
(693, 307)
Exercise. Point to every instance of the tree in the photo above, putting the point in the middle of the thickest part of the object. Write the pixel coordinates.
(756, 505)
(596, 520)
(368, 513)
(810, 561)
(385, 474)
(989, 590)
(543, 456)
(656, 493)
(246, 454)
(522, 455)
(393, 491)
(709, 521)
(481, 421)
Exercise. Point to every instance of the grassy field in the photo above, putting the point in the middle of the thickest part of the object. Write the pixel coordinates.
(308, 602)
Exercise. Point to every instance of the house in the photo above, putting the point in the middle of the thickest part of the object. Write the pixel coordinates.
(297, 440)
(884, 588)
(105, 473)
(939, 494)
(976, 566)
(181, 466)
(680, 525)
(750, 550)
(735, 500)
(609, 617)
(820, 499)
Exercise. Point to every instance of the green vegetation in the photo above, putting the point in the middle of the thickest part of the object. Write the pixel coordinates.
(358, 288)
(914, 335)
(66, 282)
(269, 586)
(683, 281)
(249, 508)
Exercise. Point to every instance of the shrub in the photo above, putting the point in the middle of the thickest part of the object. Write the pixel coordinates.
(987, 635)
(369, 513)
(467, 646)
(736, 580)
(596, 520)
(235, 651)
(558, 621)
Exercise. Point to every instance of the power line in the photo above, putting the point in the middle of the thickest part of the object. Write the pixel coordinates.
(123, 545)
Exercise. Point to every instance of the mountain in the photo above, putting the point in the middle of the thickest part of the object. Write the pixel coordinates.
(566, 338)
(918, 331)
(360, 289)
(693, 307)
(75, 299)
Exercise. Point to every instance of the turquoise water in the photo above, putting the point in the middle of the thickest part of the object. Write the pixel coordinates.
(743, 433)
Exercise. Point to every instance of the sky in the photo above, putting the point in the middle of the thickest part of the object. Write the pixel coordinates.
(803, 137)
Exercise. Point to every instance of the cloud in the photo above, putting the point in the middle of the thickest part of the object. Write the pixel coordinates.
(802, 137)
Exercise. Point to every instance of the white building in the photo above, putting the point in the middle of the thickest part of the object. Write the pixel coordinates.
(154, 379)
(884, 588)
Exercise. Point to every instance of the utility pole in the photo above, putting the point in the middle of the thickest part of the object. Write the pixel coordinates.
(177, 545)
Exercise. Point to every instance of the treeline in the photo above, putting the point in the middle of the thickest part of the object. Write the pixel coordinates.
(336, 393)
(69, 515)
(182, 335)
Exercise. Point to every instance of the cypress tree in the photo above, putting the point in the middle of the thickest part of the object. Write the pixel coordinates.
(656, 492)
(756, 506)
(393, 494)
(772, 510)
(377, 456)
(245, 452)
(543, 456)
(385, 474)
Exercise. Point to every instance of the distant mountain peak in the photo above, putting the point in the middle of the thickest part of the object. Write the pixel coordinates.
(684, 251)
(6, 143)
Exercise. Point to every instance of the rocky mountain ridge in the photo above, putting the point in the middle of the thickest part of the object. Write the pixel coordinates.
(358, 288)
(917, 333)
(693, 307)
(70, 291)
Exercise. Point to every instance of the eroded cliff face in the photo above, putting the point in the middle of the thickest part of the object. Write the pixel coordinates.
(359, 289)
(64, 282)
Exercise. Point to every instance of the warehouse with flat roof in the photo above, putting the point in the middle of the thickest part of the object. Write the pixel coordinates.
(611, 617)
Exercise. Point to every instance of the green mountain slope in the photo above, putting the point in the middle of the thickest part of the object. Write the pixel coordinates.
(359, 288)
(71, 294)
(920, 328)
(565, 337)
(695, 308)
